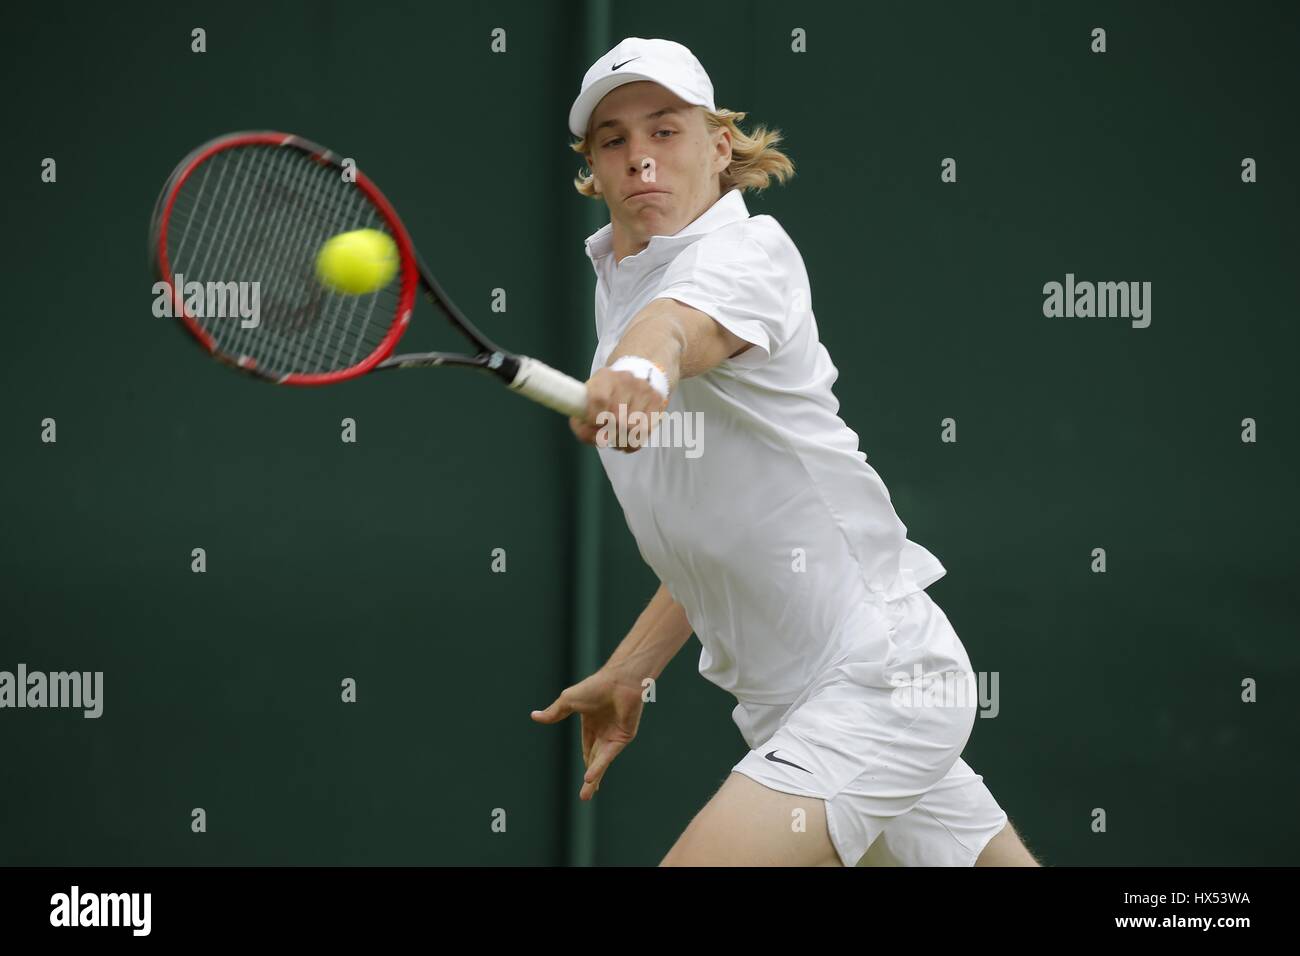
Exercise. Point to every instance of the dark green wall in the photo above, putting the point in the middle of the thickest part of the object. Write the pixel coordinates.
(325, 560)
(371, 560)
(1118, 690)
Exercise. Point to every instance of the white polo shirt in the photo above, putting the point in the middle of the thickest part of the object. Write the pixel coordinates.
(773, 532)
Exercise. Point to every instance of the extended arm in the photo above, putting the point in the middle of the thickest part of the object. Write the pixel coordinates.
(679, 339)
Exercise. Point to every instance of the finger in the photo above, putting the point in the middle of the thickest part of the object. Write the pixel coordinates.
(557, 711)
(641, 395)
(603, 755)
(598, 397)
(582, 431)
(638, 411)
(638, 433)
(589, 427)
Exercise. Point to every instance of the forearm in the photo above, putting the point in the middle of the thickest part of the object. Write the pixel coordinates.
(682, 341)
(655, 638)
(655, 334)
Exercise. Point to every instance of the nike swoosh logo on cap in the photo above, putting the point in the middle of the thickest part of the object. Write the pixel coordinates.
(624, 63)
(771, 755)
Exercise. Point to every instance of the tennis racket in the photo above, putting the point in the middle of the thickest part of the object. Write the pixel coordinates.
(256, 207)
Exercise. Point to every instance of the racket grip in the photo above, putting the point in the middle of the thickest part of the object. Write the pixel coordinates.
(554, 389)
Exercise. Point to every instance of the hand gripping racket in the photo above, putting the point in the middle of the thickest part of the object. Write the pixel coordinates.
(257, 207)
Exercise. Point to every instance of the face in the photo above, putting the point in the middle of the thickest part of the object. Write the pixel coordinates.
(654, 160)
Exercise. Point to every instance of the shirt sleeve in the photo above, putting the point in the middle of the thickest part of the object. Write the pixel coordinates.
(735, 282)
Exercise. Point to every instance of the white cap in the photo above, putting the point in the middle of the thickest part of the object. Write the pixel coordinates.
(665, 62)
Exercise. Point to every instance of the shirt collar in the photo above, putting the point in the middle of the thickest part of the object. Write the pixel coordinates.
(729, 208)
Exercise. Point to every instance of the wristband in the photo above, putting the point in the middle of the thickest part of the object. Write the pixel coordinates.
(643, 368)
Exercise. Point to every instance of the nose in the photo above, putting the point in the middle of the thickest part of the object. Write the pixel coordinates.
(640, 150)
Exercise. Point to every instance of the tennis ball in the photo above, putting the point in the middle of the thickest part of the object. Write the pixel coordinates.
(357, 262)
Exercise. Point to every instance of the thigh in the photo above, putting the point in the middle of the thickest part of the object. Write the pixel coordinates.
(1006, 849)
(748, 824)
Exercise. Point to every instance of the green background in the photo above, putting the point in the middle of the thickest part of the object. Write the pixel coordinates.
(327, 560)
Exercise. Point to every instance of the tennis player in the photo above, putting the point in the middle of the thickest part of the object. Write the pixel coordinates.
(774, 541)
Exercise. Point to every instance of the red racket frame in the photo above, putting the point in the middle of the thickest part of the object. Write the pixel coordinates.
(406, 250)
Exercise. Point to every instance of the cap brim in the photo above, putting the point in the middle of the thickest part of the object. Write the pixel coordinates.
(586, 103)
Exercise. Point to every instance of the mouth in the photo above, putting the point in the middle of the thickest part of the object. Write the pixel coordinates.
(647, 192)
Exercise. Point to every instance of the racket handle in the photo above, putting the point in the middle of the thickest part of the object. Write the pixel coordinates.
(554, 389)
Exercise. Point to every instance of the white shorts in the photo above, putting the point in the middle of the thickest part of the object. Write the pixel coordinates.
(880, 742)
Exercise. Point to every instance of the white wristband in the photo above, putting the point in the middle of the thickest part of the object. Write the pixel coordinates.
(643, 368)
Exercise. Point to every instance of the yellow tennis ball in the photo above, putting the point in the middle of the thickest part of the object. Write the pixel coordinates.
(357, 262)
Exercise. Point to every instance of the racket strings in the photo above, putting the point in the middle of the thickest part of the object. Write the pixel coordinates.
(286, 304)
(260, 214)
(292, 300)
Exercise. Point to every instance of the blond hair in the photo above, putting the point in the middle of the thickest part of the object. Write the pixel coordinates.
(755, 160)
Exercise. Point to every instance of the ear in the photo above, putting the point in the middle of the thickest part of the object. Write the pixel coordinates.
(724, 157)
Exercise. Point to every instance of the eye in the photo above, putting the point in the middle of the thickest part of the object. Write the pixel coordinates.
(668, 131)
(613, 141)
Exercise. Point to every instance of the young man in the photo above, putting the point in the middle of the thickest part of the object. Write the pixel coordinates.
(775, 542)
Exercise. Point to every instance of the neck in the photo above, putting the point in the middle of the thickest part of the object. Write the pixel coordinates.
(628, 243)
